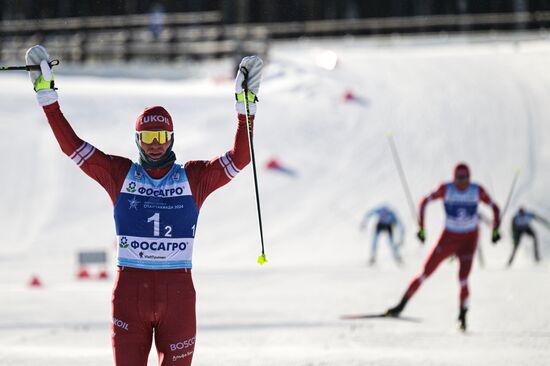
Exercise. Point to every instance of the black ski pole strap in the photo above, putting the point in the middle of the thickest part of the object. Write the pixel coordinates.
(244, 70)
(52, 63)
(239, 97)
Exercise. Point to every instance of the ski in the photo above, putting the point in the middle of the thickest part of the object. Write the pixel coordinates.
(378, 316)
(364, 316)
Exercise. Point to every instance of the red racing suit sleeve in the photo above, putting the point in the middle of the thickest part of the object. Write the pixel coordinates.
(485, 198)
(108, 170)
(437, 194)
(206, 176)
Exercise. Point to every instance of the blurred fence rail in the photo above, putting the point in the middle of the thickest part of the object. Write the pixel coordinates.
(180, 36)
(203, 35)
(107, 22)
(451, 23)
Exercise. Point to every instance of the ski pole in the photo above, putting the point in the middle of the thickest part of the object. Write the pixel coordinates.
(261, 258)
(402, 177)
(542, 220)
(509, 198)
(27, 67)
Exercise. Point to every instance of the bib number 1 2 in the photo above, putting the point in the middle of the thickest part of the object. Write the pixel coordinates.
(155, 219)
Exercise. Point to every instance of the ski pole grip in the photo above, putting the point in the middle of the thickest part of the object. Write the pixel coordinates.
(52, 63)
(244, 70)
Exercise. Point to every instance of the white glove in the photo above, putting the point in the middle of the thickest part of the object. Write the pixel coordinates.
(42, 80)
(250, 74)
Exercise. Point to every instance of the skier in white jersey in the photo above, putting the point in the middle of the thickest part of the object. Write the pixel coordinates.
(156, 206)
(387, 220)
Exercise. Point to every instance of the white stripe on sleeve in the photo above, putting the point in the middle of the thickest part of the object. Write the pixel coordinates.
(228, 166)
(82, 154)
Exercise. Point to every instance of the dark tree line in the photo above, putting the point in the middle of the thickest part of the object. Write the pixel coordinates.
(265, 10)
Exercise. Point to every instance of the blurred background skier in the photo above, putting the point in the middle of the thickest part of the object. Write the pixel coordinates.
(521, 224)
(387, 219)
(156, 20)
(459, 237)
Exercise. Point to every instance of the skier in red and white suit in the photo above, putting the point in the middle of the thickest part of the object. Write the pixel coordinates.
(459, 238)
(156, 205)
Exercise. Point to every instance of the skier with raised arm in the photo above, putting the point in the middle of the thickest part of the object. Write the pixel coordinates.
(459, 238)
(156, 207)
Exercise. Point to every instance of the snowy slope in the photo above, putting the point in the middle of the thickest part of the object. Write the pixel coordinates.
(483, 103)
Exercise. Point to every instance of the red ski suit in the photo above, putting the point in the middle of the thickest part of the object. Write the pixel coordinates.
(462, 245)
(151, 303)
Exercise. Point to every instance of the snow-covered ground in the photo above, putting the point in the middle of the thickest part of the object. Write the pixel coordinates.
(484, 103)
